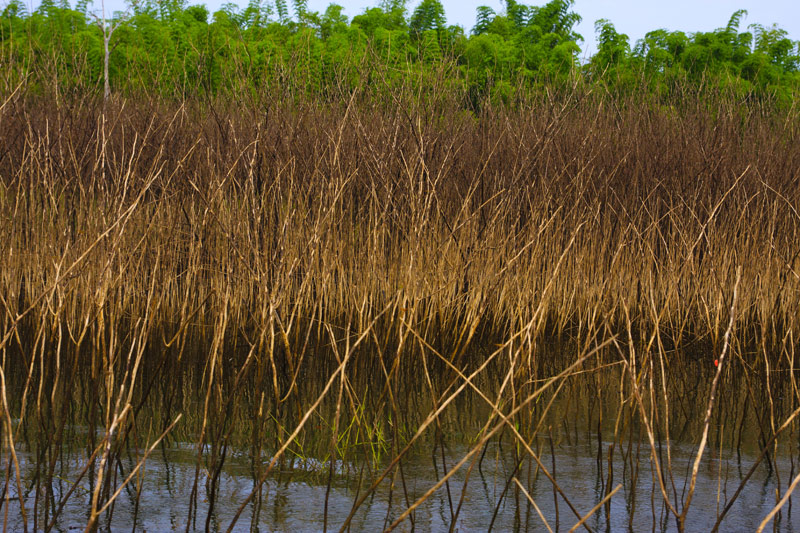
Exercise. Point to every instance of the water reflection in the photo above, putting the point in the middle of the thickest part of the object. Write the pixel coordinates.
(294, 499)
(589, 434)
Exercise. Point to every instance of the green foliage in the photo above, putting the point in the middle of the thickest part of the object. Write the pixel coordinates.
(283, 11)
(333, 22)
(171, 48)
(15, 9)
(745, 63)
(485, 17)
(428, 16)
(612, 48)
(389, 17)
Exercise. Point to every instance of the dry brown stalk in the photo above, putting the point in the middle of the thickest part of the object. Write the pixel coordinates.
(780, 504)
(712, 396)
(505, 420)
(533, 502)
(595, 508)
(241, 244)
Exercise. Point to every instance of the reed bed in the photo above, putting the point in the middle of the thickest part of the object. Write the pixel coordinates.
(255, 276)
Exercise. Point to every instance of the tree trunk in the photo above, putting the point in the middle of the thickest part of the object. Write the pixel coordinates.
(106, 86)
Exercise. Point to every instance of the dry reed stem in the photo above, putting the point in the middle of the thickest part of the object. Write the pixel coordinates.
(138, 465)
(505, 421)
(780, 504)
(507, 227)
(496, 411)
(752, 469)
(533, 502)
(101, 471)
(339, 372)
(595, 508)
(710, 406)
(13, 454)
(646, 420)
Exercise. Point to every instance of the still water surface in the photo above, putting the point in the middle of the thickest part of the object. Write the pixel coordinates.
(294, 498)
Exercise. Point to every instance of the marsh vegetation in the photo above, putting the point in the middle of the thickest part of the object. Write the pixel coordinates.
(374, 274)
(393, 300)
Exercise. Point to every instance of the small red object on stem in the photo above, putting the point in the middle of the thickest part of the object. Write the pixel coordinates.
(716, 362)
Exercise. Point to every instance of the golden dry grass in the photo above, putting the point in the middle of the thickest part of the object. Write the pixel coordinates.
(249, 249)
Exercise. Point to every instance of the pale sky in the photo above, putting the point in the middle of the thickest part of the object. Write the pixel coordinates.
(632, 17)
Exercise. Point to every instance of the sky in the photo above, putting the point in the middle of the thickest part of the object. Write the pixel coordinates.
(632, 17)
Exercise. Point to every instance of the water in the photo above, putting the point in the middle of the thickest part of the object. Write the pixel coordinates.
(294, 498)
(587, 431)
